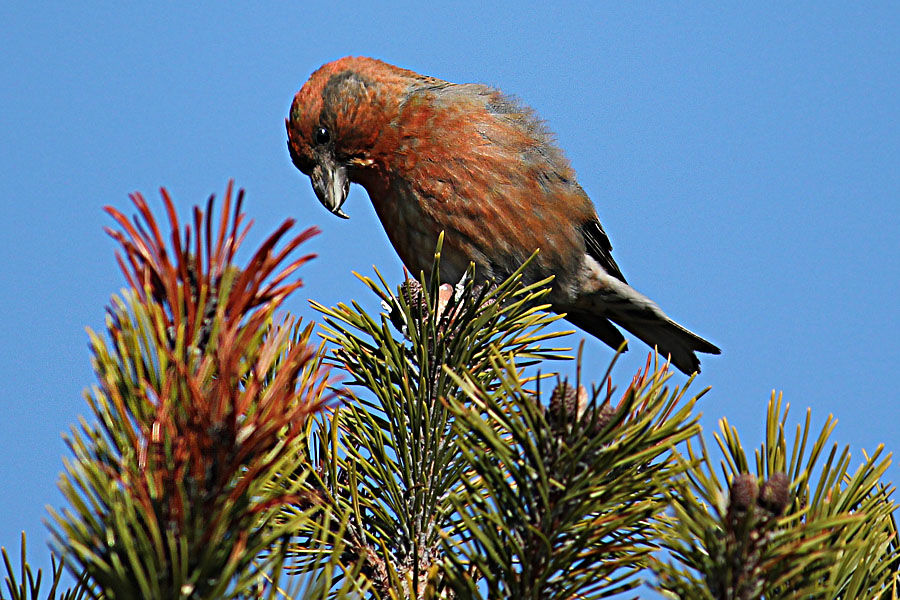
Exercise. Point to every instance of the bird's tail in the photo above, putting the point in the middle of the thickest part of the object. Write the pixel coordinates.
(618, 302)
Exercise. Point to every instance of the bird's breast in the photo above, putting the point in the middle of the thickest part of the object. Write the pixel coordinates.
(413, 230)
(490, 214)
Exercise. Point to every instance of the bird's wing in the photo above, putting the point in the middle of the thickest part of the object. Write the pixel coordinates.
(484, 168)
(600, 248)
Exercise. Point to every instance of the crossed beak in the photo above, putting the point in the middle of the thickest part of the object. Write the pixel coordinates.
(331, 184)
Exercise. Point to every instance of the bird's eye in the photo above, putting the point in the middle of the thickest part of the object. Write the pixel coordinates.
(322, 135)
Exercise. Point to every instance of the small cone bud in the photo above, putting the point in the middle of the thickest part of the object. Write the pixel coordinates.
(744, 491)
(562, 399)
(568, 403)
(775, 494)
(605, 413)
(412, 293)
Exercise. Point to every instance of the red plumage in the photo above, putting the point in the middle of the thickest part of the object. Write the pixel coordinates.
(469, 161)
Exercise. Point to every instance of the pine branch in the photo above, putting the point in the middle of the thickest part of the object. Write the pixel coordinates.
(389, 460)
(422, 471)
(27, 586)
(558, 500)
(201, 403)
(216, 466)
(792, 530)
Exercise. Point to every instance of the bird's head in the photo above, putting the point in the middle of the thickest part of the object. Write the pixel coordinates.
(338, 121)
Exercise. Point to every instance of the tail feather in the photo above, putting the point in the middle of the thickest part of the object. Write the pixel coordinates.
(671, 339)
(618, 302)
(597, 326)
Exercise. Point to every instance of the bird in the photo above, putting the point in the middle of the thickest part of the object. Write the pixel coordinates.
(481, 167)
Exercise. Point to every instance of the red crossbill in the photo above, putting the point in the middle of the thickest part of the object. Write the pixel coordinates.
(481, 167)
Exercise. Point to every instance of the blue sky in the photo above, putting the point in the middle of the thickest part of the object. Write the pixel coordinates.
(744, 162)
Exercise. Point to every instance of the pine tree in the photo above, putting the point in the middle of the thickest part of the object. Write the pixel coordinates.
(225, 459)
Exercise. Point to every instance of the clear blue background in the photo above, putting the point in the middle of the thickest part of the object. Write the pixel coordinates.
(744, 162)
